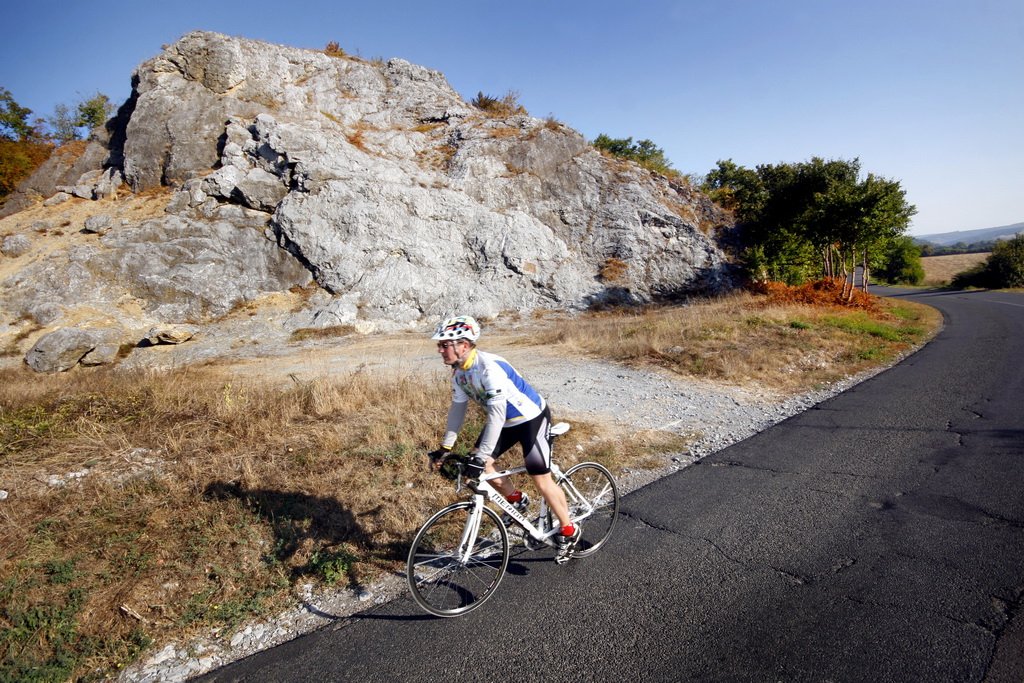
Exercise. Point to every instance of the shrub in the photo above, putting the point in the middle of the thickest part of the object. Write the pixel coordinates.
(825, 292)
(334, 50)
(18, 159)
(644, 152)
(1006, 263)
(1003, 268)
(497, 108)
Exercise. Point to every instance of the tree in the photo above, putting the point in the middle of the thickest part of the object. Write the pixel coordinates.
(883, 215)
(644, 152)
(824, 202)
(94, 112)
(22, 146)
(1005, 265)
(68, 119)
(812, 218)
(737, 188)
(901, 262)
(63, 125)
(1003, 268)
(18, 159)
(14, 123)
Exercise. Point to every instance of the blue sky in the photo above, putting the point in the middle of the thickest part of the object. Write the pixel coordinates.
(928, 92)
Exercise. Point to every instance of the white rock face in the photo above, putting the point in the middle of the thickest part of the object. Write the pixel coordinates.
(391, 189)
(377, 180)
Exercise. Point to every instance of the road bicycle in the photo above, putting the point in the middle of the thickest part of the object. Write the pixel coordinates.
(460, 554)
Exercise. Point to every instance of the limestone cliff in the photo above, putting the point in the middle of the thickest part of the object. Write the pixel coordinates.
(376, 179)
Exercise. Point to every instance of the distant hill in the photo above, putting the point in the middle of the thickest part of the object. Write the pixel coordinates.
(945, 239)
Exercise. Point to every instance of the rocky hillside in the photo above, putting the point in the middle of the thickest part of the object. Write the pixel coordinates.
(371, 187)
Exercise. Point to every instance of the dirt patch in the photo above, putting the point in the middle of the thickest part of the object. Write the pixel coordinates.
(56, 228)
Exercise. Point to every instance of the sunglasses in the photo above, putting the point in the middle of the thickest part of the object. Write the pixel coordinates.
(446, 344)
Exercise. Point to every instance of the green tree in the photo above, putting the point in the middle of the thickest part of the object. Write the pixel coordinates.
(63, 124)
(1003, 268)
(736, 188)
(94, 111)
(1005, 265)
(644, 152)
(68, 120)
(882, 216)
(823, 201)
(14, 123)
(901, 262)
(815, 218)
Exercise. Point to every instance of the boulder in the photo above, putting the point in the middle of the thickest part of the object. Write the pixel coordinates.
(60, 350)
(170, 334)
(99, 224)
(15, 245)
(56, 199)
(108, 346)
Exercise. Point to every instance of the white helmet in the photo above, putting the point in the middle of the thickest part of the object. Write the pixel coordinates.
(460, 327)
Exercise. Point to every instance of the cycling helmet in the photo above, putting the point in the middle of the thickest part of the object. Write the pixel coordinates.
(461, 327)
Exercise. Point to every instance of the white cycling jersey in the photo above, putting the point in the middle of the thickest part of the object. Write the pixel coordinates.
(491, 381)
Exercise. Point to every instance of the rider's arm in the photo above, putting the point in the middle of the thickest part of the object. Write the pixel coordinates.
(495, 388)
(495, 409)
(456, 416)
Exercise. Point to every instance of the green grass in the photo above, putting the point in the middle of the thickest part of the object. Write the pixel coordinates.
(41, 639)
(860, 324)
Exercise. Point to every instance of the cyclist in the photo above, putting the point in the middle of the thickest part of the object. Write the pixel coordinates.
(516, 413)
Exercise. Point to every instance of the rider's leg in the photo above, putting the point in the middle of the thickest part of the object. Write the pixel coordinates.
(505, 441)
(503, 484)
(536, 443)
(554, 495)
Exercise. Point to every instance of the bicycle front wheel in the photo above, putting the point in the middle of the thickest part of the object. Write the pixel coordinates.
(453, 567)
(593, 500)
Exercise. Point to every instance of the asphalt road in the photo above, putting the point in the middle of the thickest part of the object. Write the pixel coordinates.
(876, 537)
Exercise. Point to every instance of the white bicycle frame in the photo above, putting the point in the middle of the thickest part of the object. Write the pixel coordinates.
(483, 492)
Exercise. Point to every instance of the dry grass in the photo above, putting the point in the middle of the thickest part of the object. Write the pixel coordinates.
(493, 107)
(333, 49)
(356, 139)
(613, 270)
(190, 501)
(789, 340)
(306, 333)
(940, 270)
(194, 502)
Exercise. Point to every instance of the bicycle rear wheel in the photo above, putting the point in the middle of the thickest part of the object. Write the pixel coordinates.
(593, 500)
(445, 578)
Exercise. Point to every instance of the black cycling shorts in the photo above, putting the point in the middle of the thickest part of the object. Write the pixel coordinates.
(535, 438)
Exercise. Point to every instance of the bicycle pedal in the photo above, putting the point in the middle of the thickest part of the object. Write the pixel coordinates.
(562, 559)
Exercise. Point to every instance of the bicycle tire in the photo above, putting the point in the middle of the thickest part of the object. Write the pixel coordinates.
(440, 582)
(597, 486)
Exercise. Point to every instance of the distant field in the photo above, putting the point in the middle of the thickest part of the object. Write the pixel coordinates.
(939, 270)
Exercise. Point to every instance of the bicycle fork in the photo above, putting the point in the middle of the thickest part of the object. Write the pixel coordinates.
(471, 530)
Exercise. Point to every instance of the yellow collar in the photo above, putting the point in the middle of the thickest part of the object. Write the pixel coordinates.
(470, 359)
